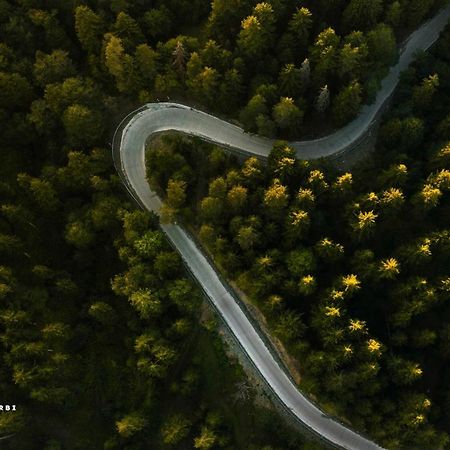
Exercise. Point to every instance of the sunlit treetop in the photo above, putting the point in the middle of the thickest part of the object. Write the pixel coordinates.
(351, 283)
(445, 284)
(305, 196)
(366, 220)
(250, 22)
(344, 181)
(373, 346)
(332, 311)
(337, 295)
(389, 268)
(357, 325)
(430, 195)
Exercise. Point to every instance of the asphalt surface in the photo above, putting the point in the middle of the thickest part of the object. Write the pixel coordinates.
(129, 156)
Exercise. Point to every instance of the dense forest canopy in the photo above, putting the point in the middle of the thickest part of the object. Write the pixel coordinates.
(105, 342)
(350, 268)
(99, 324)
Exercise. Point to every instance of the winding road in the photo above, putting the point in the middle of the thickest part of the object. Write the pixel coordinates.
(129, 157)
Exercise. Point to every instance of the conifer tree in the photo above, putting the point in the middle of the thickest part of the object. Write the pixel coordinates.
(323, 100)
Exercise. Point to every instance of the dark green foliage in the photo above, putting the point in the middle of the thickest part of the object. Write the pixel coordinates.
(98, 320)
(244, 47)
(350, 269)
(362, 14)
(346, 104)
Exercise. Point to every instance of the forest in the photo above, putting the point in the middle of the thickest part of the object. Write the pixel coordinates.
(105, 340)
(357, 293)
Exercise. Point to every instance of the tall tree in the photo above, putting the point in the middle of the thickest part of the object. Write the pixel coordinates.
(290, 81)
(300, 26)
(287, 115)
(119, 64)
(89, 28)
(175, 429)
(323, 100)
(347, 103)
(130, 424)
(83, 126)
(362, 14)
(324, 54)
(128, 30)
(255, 37)
(53, 67)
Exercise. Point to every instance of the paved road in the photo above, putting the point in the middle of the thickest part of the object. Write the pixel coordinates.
(129, 157)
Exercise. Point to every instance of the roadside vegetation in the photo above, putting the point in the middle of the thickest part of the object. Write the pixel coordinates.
(100, 340)
(99, 323)
(350, 268)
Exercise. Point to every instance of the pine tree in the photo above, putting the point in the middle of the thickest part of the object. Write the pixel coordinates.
(328, 250)
(287, 115)
(351, 283)
(128, 31)
(290, 81)
(119, 64)
(362, 14)
(247, 237)
(316, 179)
(353, 56)
(389, 268)
(305, 198)
(392, 199)
(175, 429)
(83, 125)
(300, 26)
(305, 72)
(276, 198)
(179, 57)
(324, 55)
(237, 198)
(53, 67)
(323, 100)
(394, 14)
(307, 285)
(146, 303)
(297, 224)
(423, 95)
(347, 103)
(206, 440)
(255, 107)
(366, 222)
(89, 28)
(145, 61)
(254, 39)
(130, 424)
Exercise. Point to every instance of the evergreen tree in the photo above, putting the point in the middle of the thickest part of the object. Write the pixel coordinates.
(323, 100)
(119, 64)
(89, 27)
(290, 81)
(53, 67)
(130, 424)
(276, 198)
(361, 14)
(128, 31)
(175, 429)
(305, 72)
(423, 95)
(179, 57)
(300, 26)
(347, 103)
(324, 55)
(382, 46)
(287, 115)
